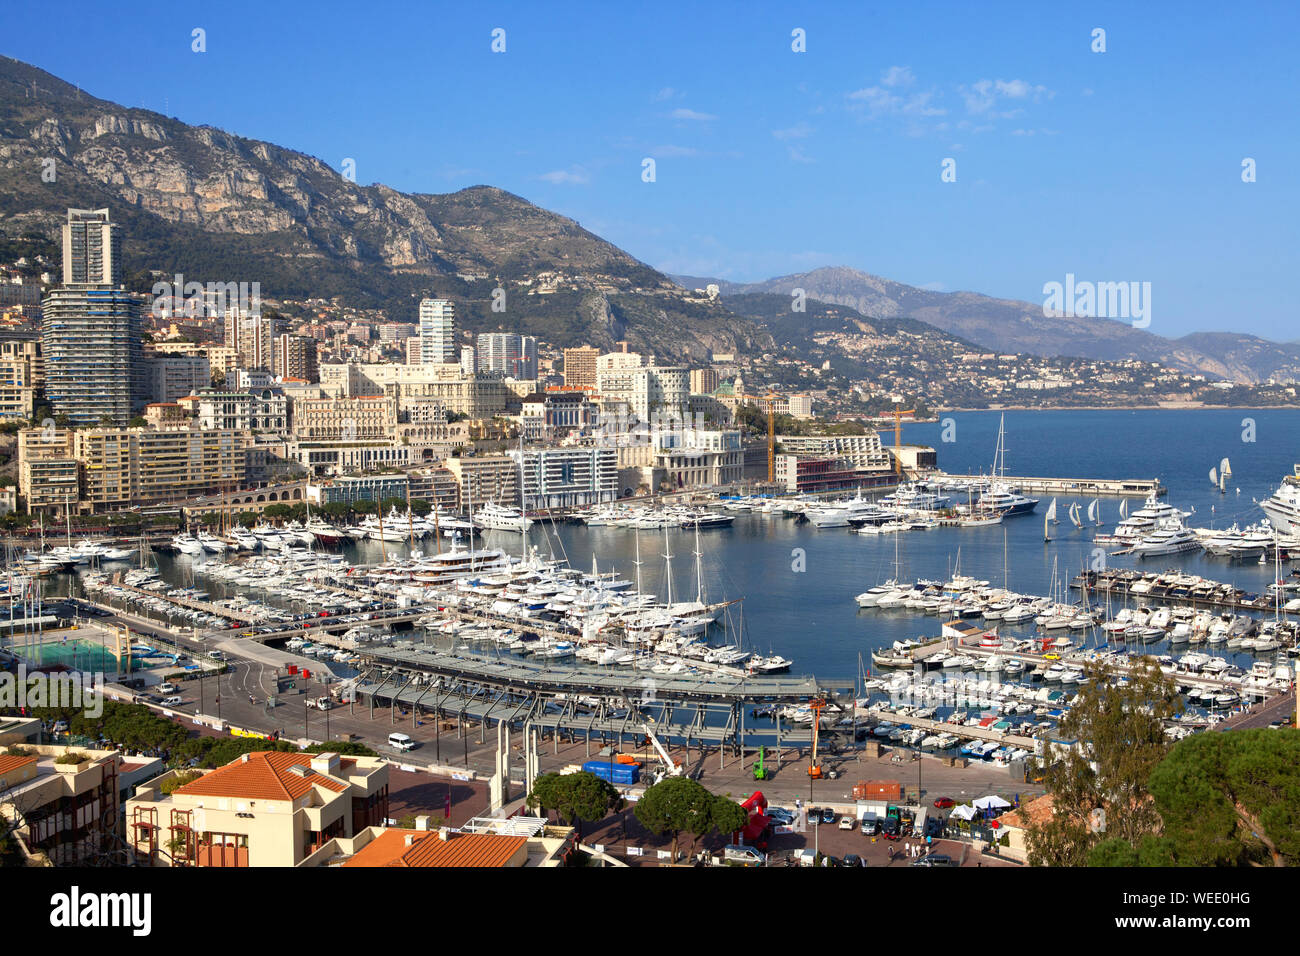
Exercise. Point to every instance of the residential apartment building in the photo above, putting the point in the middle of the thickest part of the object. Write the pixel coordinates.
(122, 467)
(486, 478)
(295, 358)
(48, 472)
(704, 381)
(264, 809)
(94, 359)
(567, 477)
(437, 331)
(253, 337)
(580, 367)
(174, 376)
(22, 372)
(864, 451)
(64, 812)
(512, 355)
(92, 249)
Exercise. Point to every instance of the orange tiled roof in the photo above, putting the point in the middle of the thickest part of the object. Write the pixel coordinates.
(1035, 811)
(426, 849)
(265, 775)
(9, 764)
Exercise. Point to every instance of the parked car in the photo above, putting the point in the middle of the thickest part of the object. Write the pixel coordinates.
(852, 859)
(935, 859)
(828, 815)
(944, 803)
(744, 855)
(814, 816)
(173, 701)
(847, 823)
(889, 827)
(167, 687)
(870, 824)
(781, 815)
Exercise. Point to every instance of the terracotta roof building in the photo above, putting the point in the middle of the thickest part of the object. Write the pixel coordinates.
(265, 809)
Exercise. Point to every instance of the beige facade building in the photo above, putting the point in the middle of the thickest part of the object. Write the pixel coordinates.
(101, 468)
(48, 473)
(21, 373)
(265, 809)
(363, 418)
(62, 803)
(486, 478)
(580, 367)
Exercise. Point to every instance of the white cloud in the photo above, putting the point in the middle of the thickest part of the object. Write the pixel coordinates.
(671, 151)
(798, 155)
(797, 131)
(667, 93)
(887, 97)
(983, 95)
(684, 114)
(898, 76)
(573, 176)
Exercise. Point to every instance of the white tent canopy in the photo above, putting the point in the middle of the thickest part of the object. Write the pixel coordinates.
(991, 802)
(964, 812)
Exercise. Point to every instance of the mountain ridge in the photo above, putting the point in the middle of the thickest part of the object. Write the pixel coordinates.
(1009, 325)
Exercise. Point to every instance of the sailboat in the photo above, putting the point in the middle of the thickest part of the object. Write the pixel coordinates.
(1074, 514)
(1225, 472)
(1051, 512)
(1123, 509)
(1046, 521)
(1094, 511)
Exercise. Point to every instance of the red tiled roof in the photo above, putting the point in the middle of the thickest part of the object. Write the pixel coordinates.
(1033, 812)
(427, 849)
(264, 775)
(9, 764)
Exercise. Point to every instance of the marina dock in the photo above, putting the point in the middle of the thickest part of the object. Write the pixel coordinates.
(1084, 487)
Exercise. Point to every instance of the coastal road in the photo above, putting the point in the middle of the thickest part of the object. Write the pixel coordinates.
(1259, 715)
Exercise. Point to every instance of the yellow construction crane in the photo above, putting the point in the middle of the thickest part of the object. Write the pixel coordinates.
(898, 436)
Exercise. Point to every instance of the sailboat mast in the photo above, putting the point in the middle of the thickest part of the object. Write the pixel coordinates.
(699, 571)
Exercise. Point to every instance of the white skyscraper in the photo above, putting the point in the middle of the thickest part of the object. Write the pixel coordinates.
(437, 331)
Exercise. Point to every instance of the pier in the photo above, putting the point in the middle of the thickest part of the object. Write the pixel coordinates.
(1084, 487)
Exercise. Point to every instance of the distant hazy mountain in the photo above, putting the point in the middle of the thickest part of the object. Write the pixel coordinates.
(1006, 325)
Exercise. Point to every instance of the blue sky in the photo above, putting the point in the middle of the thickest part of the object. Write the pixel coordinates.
(1115, 166)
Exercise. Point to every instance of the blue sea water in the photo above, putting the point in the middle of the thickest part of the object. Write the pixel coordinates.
(798, 583)
(811, 616)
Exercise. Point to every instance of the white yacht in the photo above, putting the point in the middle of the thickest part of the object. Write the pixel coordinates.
(211, 543)
(186, 543)
(496, 517)
(1170, 536)
(1141, 522)
(1283, 508)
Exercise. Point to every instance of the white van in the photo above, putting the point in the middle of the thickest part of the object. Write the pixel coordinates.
(806, 857)
(166, 687)
(745, 855)
(173, 701)
(401, 742)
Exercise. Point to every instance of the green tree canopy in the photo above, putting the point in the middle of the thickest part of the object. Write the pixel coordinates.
(577, 797)
(1099, 786)
(1230, 799)
(679, 805)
